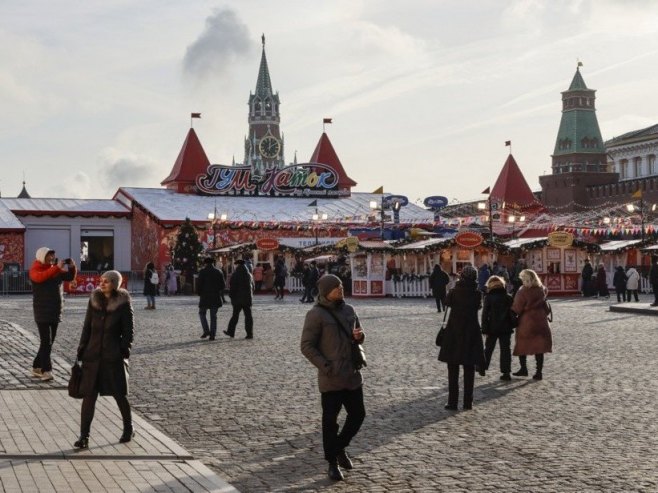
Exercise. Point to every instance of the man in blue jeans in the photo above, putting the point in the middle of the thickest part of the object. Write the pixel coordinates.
(210, 286)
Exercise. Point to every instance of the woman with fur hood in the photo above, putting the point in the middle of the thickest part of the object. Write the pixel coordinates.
(107, 336)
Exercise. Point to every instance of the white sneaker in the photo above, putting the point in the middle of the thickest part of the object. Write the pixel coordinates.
(47, 376)
(37, 373)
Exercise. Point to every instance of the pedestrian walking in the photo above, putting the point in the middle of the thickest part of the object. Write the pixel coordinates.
(47, 274)
(498, 324)
(439, 281)
(310, 277)
(171, 283)
(462, 341)
(210, 285)
(241, 292)
(330, 329)
(619, 281)
(280, 275)
(151, 281)
(483, 276)
(586, 275)
(533, 333)
(653, 279)
(602, 282)
(104, 349)
(632, 283)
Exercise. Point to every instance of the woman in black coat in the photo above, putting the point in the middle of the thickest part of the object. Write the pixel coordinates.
(150, 285)
(619, 281)
(497, 324)
(462, 341)
(107, 336)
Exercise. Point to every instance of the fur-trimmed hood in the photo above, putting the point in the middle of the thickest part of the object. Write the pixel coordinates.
(99, 302)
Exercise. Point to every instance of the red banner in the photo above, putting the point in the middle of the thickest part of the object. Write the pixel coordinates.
(86, 283)
(468, 239)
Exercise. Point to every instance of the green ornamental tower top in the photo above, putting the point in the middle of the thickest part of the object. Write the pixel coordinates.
(579, 145)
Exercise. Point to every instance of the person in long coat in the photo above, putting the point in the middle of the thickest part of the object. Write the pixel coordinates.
(602, 282)
(210, 285)
(47, 275)
(632, 283)
(241, 292)
(439, 280)
(586, 275)
(533, 333)
(462, 341)
(619, 281)
(280, 274)
(498, 325)
(104, 349)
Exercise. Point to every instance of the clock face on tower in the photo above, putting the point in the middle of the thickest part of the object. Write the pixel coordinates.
(269, 147)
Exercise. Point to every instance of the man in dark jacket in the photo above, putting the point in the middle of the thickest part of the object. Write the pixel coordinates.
(586, 274)
(653, 279)
(210, 285)
(47, 275)
(439, 280)
(241, 292)
(330, 329)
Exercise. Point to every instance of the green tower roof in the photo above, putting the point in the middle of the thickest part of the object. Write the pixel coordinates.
(577, 83)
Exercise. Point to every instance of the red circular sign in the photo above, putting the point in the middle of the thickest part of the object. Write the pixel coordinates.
(267, 243)
(468, 239)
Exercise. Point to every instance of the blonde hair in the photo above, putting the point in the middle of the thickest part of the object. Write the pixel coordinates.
(530, 278)
(495, 282)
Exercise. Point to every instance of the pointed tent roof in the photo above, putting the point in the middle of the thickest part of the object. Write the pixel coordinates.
(324, 153)
(511, 186)
(577, 83)
(191, 161)
(24, 194)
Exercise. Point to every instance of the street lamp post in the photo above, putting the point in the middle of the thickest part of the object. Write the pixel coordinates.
(317, 217)
(214, 219)
(487, 205)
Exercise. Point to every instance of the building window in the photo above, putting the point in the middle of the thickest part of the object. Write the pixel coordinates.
(651, 159)
(622, 168)
(637, 166)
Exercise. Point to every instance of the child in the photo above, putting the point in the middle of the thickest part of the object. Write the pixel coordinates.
(498, 324)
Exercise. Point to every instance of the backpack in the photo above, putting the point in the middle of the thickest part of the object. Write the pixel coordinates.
(154, 278)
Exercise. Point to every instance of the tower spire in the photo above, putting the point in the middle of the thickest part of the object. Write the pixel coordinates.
(264, 83)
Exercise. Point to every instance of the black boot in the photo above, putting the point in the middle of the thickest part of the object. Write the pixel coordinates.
(334, 472)
(82, 442)
(344, 460)
(128, 433)
(523, 371)
(539, 358)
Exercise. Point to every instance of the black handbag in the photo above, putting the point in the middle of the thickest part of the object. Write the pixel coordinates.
(358, 353)
(442, 330)
(75, 381)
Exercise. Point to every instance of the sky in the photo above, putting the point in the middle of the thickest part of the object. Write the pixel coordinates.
(423, 93)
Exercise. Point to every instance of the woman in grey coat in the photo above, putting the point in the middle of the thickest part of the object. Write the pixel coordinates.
(107, 336)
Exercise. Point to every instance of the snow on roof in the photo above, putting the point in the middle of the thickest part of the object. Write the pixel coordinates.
(169, 206)
(517, 242)
(68, 206)
(8, 220)
(424, 243)
(610, 246)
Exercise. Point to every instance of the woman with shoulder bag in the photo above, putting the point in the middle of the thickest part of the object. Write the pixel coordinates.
(107, 336)
(533, 334)
(498, 322)
(151, 281)
(462, 340)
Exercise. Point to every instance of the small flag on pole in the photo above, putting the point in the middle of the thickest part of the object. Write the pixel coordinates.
(327, 120)
(508, 143)
(486, 190)
(313, 204)
(195, 115)
(580, 64)
(379, 190)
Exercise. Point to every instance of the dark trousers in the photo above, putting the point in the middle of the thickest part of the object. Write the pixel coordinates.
(89, 407)
(453, 384)
(440, 301)
(539, 359)
(621, 294)
(505, 351)
(308, 294)
(332, 402)
(634, 293)
(248, 320)
(654, 287)
(47, 333)
(212, 330)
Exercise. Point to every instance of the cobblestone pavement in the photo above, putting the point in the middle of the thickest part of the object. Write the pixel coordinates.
(249, 409)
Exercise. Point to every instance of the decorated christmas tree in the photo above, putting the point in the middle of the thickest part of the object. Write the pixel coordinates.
(187, 250)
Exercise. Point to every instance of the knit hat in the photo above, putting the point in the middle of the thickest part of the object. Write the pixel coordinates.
(327, 284)
(114, 277)
(469, 272)
(42, 252)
